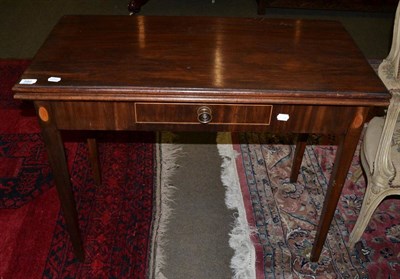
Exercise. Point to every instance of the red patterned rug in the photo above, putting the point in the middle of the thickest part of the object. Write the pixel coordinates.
(285, 215)
(115, 217)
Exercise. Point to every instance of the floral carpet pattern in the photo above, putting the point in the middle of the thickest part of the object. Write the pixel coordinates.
(24, 171)
(285, 215)
(115, 217)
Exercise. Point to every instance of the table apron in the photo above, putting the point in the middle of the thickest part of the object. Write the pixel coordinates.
(276, 118)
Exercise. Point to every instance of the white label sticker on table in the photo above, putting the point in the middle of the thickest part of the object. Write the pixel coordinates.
(28, 81)
(282, 117)
(54, 79)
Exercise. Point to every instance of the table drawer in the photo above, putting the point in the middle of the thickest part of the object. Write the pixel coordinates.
(183, 113)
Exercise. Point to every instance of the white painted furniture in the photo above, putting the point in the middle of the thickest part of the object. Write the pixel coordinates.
(380, 152)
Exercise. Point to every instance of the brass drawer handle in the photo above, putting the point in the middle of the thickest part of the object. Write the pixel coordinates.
(204, 114)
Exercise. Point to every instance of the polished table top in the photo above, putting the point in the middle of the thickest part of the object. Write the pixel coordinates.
(202, 58)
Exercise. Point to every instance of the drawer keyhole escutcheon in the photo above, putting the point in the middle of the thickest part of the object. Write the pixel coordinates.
(204, 114)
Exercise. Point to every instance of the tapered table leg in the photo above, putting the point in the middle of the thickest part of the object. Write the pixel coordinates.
(298, 156)
(261, 7)
(134, 6)
(56, 154)
(344, 156)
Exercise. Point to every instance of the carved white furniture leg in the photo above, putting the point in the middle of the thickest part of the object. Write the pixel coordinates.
(376, 152)
(380, 172)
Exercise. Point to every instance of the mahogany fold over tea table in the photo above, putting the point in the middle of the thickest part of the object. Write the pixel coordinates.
(201, 74)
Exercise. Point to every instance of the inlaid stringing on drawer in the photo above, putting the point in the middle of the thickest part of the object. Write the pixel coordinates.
(188, 113)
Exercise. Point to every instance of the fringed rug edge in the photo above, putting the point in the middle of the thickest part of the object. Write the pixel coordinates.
(167, 153)
(243, 260)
